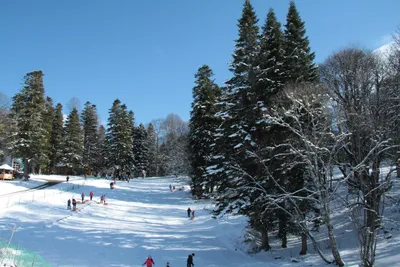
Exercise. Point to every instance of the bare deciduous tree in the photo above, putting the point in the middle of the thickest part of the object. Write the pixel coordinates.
(356, 81)
(73, 103)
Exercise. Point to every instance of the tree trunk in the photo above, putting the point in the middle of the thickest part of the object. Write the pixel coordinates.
(316, 248)
(26, 168)
(303, 244)
(335, 251)
(265, 240)
(398, 168)
(282, 233)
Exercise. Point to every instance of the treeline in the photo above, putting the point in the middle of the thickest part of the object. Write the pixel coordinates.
(267, 142)
(34, 129)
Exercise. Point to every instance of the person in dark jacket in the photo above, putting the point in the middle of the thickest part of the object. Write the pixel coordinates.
(190, 260)
(74, 203)
(69, 204)
(67, 179)
(189, 211)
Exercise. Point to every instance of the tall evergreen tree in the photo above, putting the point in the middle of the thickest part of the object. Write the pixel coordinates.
(56, 140)
(100, 159)
(140, 149)
(49, 115)
(201, 129)
(299, 60)
(270, 71)
(90, 127)
(268, 83)
(299, 68)
(246, 49)
(27, 112)
(234, 134)
(119, 138)
(4, 123)
(73, 142)
(152, 150)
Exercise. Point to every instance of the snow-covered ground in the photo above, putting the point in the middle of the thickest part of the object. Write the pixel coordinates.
(144, 218)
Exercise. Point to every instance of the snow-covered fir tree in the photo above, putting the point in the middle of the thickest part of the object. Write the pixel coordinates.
(27, 113)
(202, 125)
(90, 140)
(49, 115)
(299, 60)
(268, 83)
(119, 139)
(4, 123)
(141, 150)
(101, 157)
(73, 142)
(234, 133)
(152, 150)
(56, 139)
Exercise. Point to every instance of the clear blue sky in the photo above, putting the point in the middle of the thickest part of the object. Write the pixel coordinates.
(146, 52)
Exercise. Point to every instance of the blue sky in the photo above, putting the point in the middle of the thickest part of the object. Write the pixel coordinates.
(146, 52)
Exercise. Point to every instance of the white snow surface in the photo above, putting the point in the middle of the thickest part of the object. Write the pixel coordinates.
(144, 218)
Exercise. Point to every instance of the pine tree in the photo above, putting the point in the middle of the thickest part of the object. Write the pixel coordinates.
(152, 150)
(100, 159)
(270, 73)
(202, 124)
(49, 115)
(90, 127)
(56, 140)
(234, 135)
(4, 124)
(73, 142)
(246, 49)
(119, 138)
(299, 60)
(269, 82)
(299, 68)
(140, 149)
(27, 113)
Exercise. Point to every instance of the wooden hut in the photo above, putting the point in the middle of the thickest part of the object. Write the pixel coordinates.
(6, 172)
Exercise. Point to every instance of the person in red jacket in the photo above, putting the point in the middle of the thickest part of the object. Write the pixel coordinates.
(91, 195)
(149, 262)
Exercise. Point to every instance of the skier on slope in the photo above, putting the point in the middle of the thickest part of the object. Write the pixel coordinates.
(83, 196)
(168, 264)
(189, 211)
(190, 260)
(149, 262)
(91, 195)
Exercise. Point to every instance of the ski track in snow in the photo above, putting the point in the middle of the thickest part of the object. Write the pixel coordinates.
(143, 218)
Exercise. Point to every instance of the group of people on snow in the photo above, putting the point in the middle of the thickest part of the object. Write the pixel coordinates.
(150, 262)
(190, 211)
(91, 194)
(73, 203)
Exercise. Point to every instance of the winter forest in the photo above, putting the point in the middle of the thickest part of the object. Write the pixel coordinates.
(285, 141)
(49, 143)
